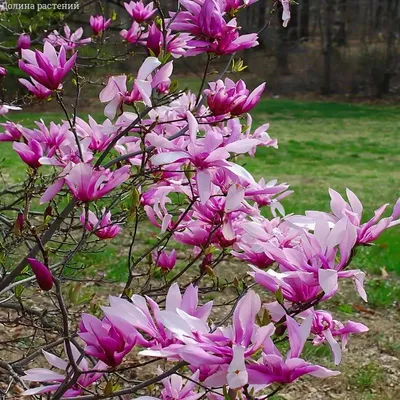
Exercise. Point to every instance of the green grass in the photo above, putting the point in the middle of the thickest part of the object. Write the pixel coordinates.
(321, 145)
(382, 293)
(365, 377)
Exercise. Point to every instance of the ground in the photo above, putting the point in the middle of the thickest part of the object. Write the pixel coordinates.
(324, 145)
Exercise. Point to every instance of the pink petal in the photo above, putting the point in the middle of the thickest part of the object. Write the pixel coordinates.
(52, 190)
(203, 179)
(336, 350)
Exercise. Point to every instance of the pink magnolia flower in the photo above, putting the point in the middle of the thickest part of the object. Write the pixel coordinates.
(5, 108)
(161, 80)
(210, 19)
(42, 273)
(254, 234)
(194, 235)
(263, 193)
(228, 97)
(115, 93)
(246, 252)
(174, 389)
(29, 153)
(12, 132)
(87, 183)
(274, 368)
(261, 134)
(166, 261)
(47, 68)
(55, 379)
(50, 138)
(229, 43)
(202, 19)
(286, 12)
(296, 286)
(176, 44)
(3, 72)
(234, 5)
(315, 260)
(70, 41)
(109, 340)
(36, 88)
(135, 34)
(353, 210)
(99, 24)
(213, 33)
(204, 156)
(220, 355)
(207, 155)
(144, 314)
(325, 328)
(103, 229)
(67, 154)
(139, 12)
(100, 135)
(23, 42)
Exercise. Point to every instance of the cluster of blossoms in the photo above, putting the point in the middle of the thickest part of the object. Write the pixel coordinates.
(204, 26)
(187, 147)
(239, 356)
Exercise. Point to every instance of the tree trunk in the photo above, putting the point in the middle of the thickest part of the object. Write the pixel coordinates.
(392, 15)
(282, 51)
(341, 34)
(304, 31)
(327, 46)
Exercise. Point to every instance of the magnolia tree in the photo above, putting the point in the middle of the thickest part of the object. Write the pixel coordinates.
(168, 160)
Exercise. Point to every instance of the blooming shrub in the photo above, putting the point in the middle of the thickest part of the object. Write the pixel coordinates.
(168, 160)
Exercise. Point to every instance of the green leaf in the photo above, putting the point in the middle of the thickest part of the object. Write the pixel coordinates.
(166, 58)
(134, 201)
(74, 293)
(85, 299)
(279, 296)
(128, 292)
(173, 86)
(109, 388)
(225, 391)
(19, 289)
(238, 66)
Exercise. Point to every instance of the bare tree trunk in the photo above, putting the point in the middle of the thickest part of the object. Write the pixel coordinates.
(282, 47)
(341, 34)
(304, 11)
(392, 15)
(327, 46)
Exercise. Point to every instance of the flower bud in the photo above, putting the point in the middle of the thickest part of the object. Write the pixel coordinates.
(164, 260)
(20, 221)
(42, 273)
(99, 24)
(24, 42)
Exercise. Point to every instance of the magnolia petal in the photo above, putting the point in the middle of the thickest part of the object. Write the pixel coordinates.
(334, 345)
(328, 280)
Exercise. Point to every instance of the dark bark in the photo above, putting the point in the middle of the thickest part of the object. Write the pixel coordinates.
(392, 19)
(327, 49)
(341, 34)
(304, 9)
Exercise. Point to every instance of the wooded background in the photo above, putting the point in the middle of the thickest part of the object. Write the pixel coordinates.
(346, 47)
